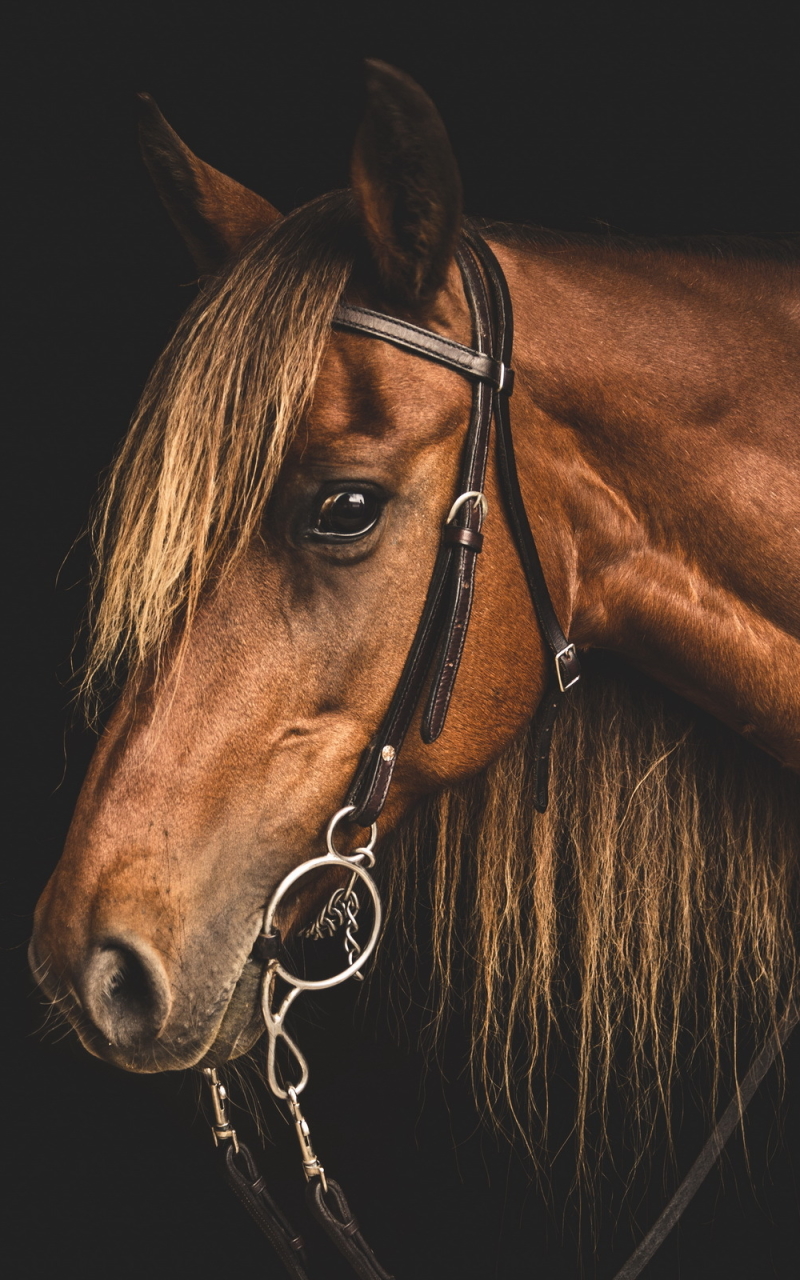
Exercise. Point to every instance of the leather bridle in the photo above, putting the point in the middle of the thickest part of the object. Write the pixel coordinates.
(439, 641)
(433, 659)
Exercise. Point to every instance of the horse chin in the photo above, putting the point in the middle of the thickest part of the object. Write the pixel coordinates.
(239, 1029)
(242, 1023)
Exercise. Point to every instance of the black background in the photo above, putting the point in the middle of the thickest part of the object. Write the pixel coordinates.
(651, 118)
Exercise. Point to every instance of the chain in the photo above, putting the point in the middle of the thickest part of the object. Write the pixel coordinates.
(339, 912)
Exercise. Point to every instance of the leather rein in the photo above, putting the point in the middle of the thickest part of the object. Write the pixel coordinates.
(433, 659)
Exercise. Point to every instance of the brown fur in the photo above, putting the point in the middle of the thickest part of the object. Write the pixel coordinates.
(215, 215)
(412, 225)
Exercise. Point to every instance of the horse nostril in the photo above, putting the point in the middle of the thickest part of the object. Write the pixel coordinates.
(126, 992)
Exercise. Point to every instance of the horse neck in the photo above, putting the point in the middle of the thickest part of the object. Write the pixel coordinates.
(655, 416)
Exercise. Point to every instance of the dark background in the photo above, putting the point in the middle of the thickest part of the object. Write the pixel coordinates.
(649, 118)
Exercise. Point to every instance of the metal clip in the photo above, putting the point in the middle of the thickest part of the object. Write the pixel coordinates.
(311, 1165)
(222, 1130)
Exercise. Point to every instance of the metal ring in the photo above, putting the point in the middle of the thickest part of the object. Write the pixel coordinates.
(337, 818)
(480, 501)
(366, 856)
(288, 882)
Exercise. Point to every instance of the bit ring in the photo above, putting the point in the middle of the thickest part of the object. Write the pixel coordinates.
(338, 817)
(326, 860)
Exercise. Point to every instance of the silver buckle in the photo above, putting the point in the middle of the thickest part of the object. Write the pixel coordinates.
(479, 500)
(568, 652)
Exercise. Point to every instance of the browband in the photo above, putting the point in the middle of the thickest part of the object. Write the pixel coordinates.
(426, 343)
(441, 632)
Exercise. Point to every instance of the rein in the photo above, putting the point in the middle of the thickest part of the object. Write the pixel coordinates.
(435, 656)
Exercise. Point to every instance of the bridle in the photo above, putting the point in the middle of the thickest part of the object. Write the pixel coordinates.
(439, 640)
(434, 659)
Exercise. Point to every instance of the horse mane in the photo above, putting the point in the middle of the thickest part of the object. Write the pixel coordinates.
(187, 490)
(650, 913)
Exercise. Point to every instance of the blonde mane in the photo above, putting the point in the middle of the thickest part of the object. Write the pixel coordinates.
(188, 488)
(651, 911)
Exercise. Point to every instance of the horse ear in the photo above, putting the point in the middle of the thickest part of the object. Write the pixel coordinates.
(407, 185)
(214, 214)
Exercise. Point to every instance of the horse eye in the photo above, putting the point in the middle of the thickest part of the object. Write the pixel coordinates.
(346, 515)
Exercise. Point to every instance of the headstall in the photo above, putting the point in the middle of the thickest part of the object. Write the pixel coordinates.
(434, 658)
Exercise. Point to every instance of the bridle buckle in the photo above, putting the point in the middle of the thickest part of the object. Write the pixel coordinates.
(479, 501)
(566, 661)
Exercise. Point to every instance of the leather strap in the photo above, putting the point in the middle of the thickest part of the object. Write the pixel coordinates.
(458, 607)
(564, 670)
(329, 1207)
(441, 633)
(730, 1118)
(445, 613)
(423, 342)
(242, 1175)
(332, 1212)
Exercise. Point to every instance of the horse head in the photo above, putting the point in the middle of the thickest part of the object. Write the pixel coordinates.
(270, 533)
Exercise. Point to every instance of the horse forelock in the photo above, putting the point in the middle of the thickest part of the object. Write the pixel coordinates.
(188, 488)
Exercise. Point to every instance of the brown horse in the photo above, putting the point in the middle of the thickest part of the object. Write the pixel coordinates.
(265, 547)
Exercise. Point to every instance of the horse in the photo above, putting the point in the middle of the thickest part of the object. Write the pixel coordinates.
(264, 546)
